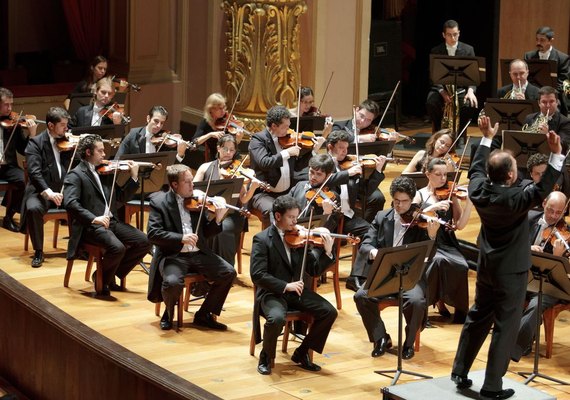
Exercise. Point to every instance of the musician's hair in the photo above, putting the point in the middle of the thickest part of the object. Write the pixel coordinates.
(104, 82)
(5, 94)
(338, 136)
(371, 106)
(213, 100)
(322, 162)
(56, 114)
(518, 61)
(546, 90)
(305, 91)
(430, 144)
(433, 162)
(403, 184)
(276, 115)
(499, 165)
(284, 203)
(450, 24)
(87, 143)
(535, 160)
(173, 172)
(158, 109)
(228, 138)
(546, 31)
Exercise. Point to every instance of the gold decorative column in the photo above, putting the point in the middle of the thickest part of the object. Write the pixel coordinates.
(261, 51)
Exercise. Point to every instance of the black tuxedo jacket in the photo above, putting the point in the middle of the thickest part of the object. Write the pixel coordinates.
(463, 50)
(165, 232)
(531, 92)
(345, 126)
(133, 143)
(84, 200)
(265, 160)
(561, 58)
(17, 144)
(84, 115)
(355, 185)
(558, 123)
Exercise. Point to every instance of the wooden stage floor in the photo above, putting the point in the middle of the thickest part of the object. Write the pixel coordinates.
(220, 362)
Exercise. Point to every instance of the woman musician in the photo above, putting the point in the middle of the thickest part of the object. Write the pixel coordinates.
(226, 243)
(97, 70)
(438, 145)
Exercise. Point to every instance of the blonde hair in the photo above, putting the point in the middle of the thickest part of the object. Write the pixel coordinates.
(213, 100)
(104, 82)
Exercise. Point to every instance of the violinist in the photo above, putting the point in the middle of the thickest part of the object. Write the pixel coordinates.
(276, 272)
(541, 239)
(271, 162)
(365, 113)
(47, 167)
(438, 145)
(226, 243)
(447, 273)
(181, 248)
(12, 140)
(97, 70)
(91, 200)
(307, 107)
(389, 230)
(92, 114)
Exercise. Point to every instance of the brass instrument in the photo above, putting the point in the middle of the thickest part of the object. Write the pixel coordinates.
(566, 87)
(535, 126)
(512, 94)
(449, 121)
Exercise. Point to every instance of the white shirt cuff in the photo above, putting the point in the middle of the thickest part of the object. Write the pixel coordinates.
(486, 142)
(285, 155)
(556, 161)
(46, 194)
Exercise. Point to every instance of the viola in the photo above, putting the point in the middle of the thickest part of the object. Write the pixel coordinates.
(171, 140)
(298, 238)
(13, 120)
(323, 194)
(69, 142)
(444, 192)
(236, 170)
(414, 216)
(196, 203)
(115, 107)
(233, 126)
(121, 85)
(108, 167)
(305, 140)
(366, 161)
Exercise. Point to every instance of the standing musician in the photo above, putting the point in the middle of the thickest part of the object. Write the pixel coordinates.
(90, 115)
(439, 96)
(540, 224)
(438, 145)
(520, 88)
(226, 243)
(12, 140)
(504, 257)
(545, 51)
(446, 274)
(271, 162)
(388, 230)
(366, 112)
(179, 235)
(97, 70)
(276, 271)
(47, 167)
(91, 201)
(351, 185)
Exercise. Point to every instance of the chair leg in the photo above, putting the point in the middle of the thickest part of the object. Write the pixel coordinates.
(240, 247)
(417, 341)
(55, 232)
(180, 310)
(88, 269)
(336, 284)
(98, 275)
(26, 240)
(549, 317)
(68, 273)
(286, 336)
(252, 343)
(187, 293)
(157, 309)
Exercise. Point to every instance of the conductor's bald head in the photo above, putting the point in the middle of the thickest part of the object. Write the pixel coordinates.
(502, 168)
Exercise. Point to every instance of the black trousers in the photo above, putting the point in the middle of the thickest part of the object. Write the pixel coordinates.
(434, 108)
(36, 208)
(13, 174)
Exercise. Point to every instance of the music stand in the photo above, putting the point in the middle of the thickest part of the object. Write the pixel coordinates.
(394, 270)
(547, 275)
(229, 189)
(106, 132)
(457, 71)
(510, 114)
(308, 123)
(77, 100)
(523, 145)
(380, 148)
(421, 179)
(543, 72)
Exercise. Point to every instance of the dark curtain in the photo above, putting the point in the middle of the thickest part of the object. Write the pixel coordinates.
(88, 25)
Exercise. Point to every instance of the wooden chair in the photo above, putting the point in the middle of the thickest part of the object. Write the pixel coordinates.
(133, 207)
(189, 281)
(7, 188)
(549, 316)
(393, 302)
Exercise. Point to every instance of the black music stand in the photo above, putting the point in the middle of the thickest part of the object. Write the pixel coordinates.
(421, 179)
(395, 270)
(543, 72)
(77, 100)
(106, 132)
(457, 71)
(229, 189)
(380, 148)
(308, 123)
(510, 114)
(523, 145)
(547, 275)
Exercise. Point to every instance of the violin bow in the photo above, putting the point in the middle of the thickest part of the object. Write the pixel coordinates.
(319, 190)
(457, 169)
(204, 202)
(554, 229)
(298, 116)
(458, 136)
(70, 164)
(108, 208)
(386, 109)
(10, 138)
(306, 250)
(233, 105)
(326, 90)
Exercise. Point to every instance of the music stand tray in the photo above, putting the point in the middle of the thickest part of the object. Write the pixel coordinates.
(229, 189)
(77, 100)
(510, 114)
(523, 145)
(380, 148)
(106, 132)
(308, 123)
(395, 270)
(421, 179)
(152, 180)
(458, 71)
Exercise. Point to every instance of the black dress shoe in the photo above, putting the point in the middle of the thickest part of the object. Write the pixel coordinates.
(380, 346)
(461, 382)
(354, 283)
(38, 259)
(302, 358)
(105, 291)
(264, 366)
(8, 223)
(207, 320)
(114, 287)
(408, 353)
(459, 317)
(501, 394)
(165, 322)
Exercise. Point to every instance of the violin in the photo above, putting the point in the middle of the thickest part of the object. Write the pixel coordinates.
(324, 194)
(195, 204)
(305, 140)
(121, 85)
(115, 107)
(558, 231)
(171, 140)
(13, 120)
(385, 134)
(298, 238)
(69, 142)
(366, 161)
(414, 216)
(236, 170)
(444, 192)
(231, 124)
(108, 167)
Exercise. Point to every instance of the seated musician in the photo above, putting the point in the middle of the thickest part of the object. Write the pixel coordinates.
(388, 230)
(97, 70)
(179, 235)
(276, 271)
(520, 88)
(226, 243)
(541, 240)
(446, 274)
(307, 106)
(271, 162)
(12, 140)
(351, 186)
(366, 112)
(437, 145)
(557, 122)
(138, 140)
(95, 114)
(91, 200)
(47, 167)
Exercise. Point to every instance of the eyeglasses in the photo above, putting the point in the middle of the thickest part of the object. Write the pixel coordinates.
(453, 35)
